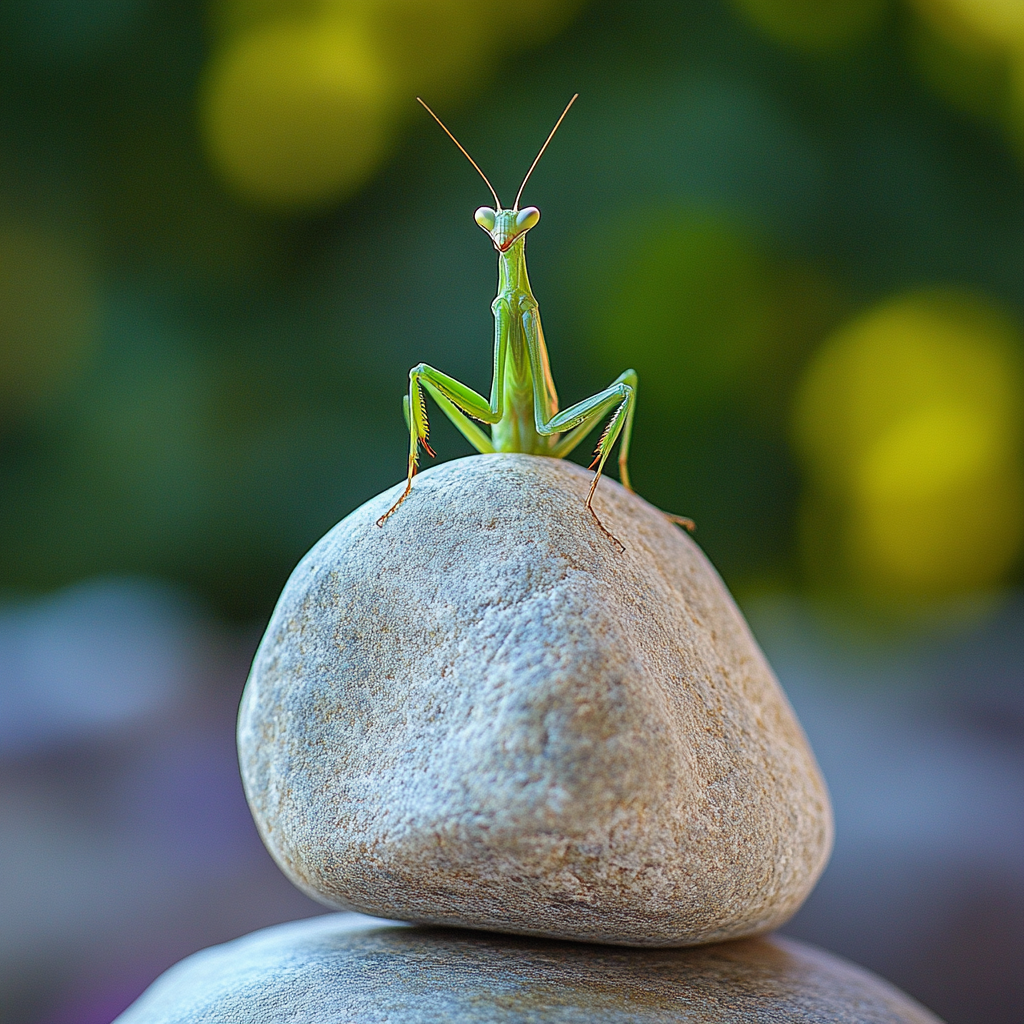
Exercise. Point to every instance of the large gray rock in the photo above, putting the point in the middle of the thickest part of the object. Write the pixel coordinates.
(340, 969)
(487, 714)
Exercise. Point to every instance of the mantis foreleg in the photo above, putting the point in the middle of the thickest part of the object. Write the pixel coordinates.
(457, 401)
(581, 418)
(469, 430)
(600, 404)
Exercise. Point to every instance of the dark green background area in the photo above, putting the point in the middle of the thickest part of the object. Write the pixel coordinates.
(712, 207)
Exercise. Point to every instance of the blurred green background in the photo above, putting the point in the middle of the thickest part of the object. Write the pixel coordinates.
(227, 231)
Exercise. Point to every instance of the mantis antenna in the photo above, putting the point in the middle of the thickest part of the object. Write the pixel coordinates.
(497, 201)
(542, 148)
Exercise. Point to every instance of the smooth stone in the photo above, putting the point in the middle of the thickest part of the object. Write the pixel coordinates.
(344, 968)
(485, 714)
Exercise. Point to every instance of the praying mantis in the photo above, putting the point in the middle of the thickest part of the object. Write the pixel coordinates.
(522, 410)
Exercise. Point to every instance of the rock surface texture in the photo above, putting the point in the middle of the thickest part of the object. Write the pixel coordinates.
(340, 968)
(486, 714)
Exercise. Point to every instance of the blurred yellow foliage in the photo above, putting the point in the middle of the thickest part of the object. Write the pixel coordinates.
(1015, 104)
(302, 97)
(48, 313)
(969, 75)
(972, 53)
(938, 508)
(909, 421)
(296, 113)
(999, 22)
(814, 25)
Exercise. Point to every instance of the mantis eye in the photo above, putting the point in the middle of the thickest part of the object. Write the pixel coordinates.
(527, 218)
(485, 217)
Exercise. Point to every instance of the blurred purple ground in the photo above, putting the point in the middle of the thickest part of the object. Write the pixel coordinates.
(126, 843)
(923, 751)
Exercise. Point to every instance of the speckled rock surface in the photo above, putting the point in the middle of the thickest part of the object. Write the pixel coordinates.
(340, 969)
(485, 714)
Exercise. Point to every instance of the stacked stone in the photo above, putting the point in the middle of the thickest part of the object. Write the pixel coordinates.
(488, 716)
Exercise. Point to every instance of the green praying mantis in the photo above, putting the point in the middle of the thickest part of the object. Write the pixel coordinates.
(522, 411)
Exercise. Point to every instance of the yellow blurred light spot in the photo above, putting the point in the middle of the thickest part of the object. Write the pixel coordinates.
(441, 47)
(536, 21)
(997, 22)
(814, 25)
(967, 74)
(910, 424)
(938, 505)
(48, 314)
(303, 96)
(430, 41)
(929, 452)
(296, 115)
(230, 18)
(907, 354)
(1015, 105)
(972, 53)
(436, 46)
(431, 45)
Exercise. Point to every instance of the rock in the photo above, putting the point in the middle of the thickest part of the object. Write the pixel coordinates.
(486, 714)
(342, 968)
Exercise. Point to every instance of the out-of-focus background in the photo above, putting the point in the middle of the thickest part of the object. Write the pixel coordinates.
(226, 233)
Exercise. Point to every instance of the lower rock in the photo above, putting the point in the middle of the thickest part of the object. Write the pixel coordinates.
(356, 970)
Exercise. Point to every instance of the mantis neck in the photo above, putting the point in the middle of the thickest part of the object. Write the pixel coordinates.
(512, 277)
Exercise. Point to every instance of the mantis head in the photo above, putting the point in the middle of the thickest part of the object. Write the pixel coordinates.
(506, 226)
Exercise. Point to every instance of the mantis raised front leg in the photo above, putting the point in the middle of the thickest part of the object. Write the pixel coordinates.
(523, 407)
